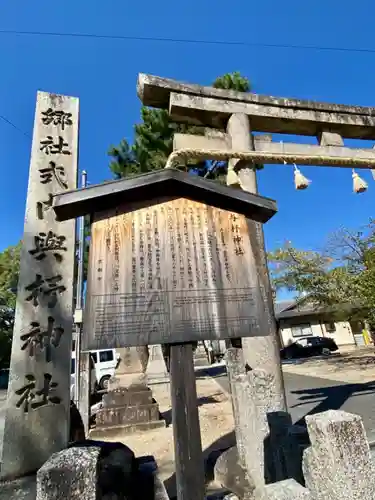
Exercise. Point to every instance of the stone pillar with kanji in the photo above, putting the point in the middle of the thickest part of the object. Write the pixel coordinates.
(38, 403)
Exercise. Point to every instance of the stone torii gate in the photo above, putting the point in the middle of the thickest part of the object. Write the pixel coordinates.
(231, 117)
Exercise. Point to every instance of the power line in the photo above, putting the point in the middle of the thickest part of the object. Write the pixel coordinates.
(190, 41)
(14, 126)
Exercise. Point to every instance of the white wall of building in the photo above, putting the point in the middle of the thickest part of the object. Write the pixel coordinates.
(342, 334)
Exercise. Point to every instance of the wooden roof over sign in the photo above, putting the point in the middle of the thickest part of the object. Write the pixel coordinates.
(163, 184)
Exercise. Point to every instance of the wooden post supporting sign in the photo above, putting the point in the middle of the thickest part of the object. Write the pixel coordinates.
(190, 477)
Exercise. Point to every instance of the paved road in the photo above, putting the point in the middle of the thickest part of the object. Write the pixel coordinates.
(304, 395)
(307, 395)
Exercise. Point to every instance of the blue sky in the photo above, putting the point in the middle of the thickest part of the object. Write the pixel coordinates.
(103, 73)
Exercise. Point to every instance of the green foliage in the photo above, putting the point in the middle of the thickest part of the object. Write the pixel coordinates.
(342, 274)
(153, 143)
(233, 81)
(6, 333)
(9, 271)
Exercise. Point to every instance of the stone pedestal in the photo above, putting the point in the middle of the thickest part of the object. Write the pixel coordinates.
(126, 411)
(131, 367)
(129, 406)
(156, 369)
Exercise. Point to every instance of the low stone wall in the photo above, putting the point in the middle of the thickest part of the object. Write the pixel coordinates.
(337, 465)
(334, 463)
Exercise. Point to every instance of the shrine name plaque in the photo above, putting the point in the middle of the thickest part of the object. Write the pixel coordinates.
(176, 271)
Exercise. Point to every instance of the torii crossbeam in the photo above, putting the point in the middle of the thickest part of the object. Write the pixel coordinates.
(210, 107)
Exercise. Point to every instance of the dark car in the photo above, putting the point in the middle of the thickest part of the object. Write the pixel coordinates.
(309, 346)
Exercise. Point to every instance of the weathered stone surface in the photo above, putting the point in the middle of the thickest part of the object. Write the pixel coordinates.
(283, 490)
(99, 470)
(131, 367)
(263, 144)
(155, 91)
(211, 112)
(127, 415)
(120, 431)
(190, 141)
(127, 410)
(156, 369)
(38, 404)
(19, 489)
(338, 464)
(124, 396)
(236, 370)
(282, 448)
(77, 429)
(262, 390)
(231, 475)
(160, 492)
(330, 139)
(84, 381)
(117, 471)
(71, 473)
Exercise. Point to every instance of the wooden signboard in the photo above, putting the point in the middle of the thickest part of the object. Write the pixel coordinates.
(176, 271)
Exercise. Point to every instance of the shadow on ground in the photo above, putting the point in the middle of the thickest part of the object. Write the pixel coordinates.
(325, 398)
(211, 371)
(330, 398)
(357, 360)
(210, 455)
(167, 415)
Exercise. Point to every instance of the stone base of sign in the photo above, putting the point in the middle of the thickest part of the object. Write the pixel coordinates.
(118, 432)
(131, 368)
(200, 357)
(122, 381)
(127, 410)
(19, 489)
(156, 369)
(158, 380)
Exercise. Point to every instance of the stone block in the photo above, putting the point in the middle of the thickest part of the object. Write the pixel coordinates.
(212, 141)
(282, 449)
(127, 415)
(71, 473)
(121, 431)
(94, 470)
(37, 412)
(156, 369)
(330, 139)
(123, 396)
(117, 471)
(283, 490)
(231, 475)
(338, 464)
(19, 489)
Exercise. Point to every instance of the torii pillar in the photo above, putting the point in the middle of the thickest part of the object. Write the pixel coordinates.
(260, 353)
(259, 356)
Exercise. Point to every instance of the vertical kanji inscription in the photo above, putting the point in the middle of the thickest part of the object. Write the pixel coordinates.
(39, 385)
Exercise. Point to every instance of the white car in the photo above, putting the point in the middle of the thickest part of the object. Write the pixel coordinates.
(104, 365)
(73, 376)
(105, 361)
